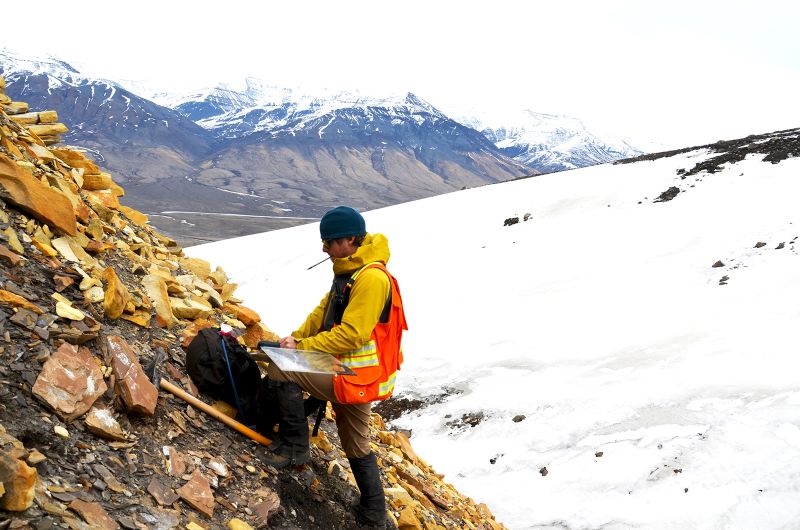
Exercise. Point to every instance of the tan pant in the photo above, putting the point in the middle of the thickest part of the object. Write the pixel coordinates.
(352, 421)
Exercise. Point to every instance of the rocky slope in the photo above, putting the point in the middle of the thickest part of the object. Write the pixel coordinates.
(90, 295)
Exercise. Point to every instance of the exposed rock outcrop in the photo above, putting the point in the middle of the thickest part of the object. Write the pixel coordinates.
(89, 294)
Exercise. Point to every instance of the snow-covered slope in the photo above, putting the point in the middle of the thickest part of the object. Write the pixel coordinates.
(591, 365)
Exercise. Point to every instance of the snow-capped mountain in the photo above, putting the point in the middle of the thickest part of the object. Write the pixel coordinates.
(259, 150)
(542, 142)
(257, 107)
(95, 109)
(548, 142)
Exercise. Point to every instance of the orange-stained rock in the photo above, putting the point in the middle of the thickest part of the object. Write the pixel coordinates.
(106, 198)
(258, 332)
(17, 478)
(408, 520)
(134, 215)
(98, 181)
(48, 129)
(70, 381)
(405, 445)
(227, 291)
(16, 107)
(245, 314)
(199, 267)
(116, 294)
(189, 308)
(197, 493)
(18, 186)
(10, 147)
(14, 300)
(191, 331)
(156, 291)
(133, 386)
(76, 159)
(140, 317)
(45, 249)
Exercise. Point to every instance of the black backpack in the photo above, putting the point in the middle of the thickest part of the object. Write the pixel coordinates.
(206, 365)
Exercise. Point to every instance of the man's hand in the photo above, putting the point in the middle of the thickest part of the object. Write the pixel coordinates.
(289, 342)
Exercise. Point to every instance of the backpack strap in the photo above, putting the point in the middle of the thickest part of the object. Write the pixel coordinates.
(340, 296)
(222, 336)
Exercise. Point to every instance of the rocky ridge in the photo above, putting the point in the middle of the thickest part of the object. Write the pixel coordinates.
(90, 296)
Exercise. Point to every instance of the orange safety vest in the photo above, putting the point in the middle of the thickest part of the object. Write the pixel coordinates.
(377, 361)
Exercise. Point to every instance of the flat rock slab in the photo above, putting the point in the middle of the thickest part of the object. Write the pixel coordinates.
(136, 390)
(70, 381)
(93, 514)
(197, 493)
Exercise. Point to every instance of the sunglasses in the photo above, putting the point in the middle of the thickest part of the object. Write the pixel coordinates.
(327, 243)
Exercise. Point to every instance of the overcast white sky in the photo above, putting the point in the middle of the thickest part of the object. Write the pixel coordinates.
(679, 72)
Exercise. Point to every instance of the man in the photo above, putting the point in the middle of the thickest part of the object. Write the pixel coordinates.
(360, 321)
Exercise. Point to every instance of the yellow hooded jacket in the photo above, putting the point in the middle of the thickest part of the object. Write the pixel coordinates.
(367, 299)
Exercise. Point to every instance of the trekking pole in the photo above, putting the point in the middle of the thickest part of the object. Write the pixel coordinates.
(233, 383)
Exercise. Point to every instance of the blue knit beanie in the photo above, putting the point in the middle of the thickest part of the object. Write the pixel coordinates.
(342, 221)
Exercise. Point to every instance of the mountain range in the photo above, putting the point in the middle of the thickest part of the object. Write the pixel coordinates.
(235, 160)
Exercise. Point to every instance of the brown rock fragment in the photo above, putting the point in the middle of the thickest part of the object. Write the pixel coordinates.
(101, 422)
(162, 493)
(136, 391)
(197, 493)
(70, 381)
(265, 503)
(62, 282)
(174, 461)
(9, 257)
(94, 515)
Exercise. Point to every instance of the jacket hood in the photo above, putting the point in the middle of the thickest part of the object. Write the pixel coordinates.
(374, 248)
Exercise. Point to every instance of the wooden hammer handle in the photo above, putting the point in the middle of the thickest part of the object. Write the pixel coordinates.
(211, 411)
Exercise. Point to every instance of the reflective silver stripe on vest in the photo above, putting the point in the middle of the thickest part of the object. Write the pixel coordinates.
(365, 356)
(387, 386)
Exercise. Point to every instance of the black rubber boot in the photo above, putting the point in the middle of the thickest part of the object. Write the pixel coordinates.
(371, 508)
(291, 447)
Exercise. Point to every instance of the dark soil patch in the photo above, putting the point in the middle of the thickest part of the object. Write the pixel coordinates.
(396, 406)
